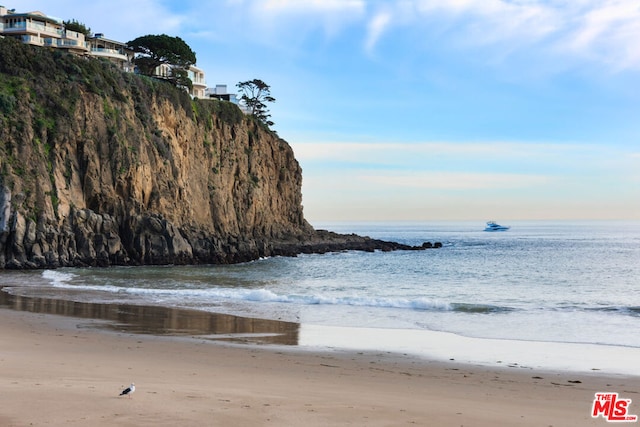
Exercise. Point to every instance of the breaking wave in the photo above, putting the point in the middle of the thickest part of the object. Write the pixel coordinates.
(212, 295)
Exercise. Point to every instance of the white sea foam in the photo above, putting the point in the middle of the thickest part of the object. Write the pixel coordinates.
(61, 280)
(58, 278)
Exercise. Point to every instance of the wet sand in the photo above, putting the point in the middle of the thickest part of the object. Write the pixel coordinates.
(68, 370)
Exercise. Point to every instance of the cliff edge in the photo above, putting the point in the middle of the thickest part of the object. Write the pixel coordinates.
(99, 167)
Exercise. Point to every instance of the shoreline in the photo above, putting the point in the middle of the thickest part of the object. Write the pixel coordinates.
(422, 344)
(69, 370)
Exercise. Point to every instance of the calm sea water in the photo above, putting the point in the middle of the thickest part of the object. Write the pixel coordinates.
(566, 282)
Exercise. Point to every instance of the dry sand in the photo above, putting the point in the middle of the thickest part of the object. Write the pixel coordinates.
(57, 371)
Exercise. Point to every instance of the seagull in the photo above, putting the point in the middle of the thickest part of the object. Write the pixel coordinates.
(129, 390)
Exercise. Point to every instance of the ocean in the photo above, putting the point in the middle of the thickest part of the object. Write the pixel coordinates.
(543, 294)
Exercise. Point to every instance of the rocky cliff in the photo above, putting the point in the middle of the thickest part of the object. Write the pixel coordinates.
(101, 167)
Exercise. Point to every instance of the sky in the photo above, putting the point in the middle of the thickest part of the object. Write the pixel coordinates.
(425, 110)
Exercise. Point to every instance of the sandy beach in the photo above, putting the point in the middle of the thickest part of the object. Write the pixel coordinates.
(58, 370)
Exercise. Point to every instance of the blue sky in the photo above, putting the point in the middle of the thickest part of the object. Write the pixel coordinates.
(426, 109)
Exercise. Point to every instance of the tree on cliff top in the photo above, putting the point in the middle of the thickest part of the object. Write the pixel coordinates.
(153, 51)
(78, 27)
(255, 94)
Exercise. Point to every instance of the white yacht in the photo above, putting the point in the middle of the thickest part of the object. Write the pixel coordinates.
(493, 226)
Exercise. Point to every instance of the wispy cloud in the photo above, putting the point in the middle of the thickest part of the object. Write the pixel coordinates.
(376, 27)
(310, 6)
(455, 180)
(478, 151)
(282, 16)
(468, 181)
(489, 21)
(605, 31)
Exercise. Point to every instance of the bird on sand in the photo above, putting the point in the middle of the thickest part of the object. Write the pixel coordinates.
(129, 390)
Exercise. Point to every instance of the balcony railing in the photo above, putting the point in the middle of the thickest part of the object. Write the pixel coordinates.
(35, 40)
(36, 27)
(65, 43)
(111, 53)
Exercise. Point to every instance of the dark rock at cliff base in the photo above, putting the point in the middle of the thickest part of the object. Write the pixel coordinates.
(322, 241)
(100, 167)
(87, 239)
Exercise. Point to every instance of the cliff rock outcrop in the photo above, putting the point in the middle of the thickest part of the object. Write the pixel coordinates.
(100, 167)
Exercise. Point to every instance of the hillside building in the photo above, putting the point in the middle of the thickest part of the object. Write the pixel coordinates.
(115, 51)
(38, 29)
(220, 92)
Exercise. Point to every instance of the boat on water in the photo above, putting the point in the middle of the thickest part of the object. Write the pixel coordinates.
(493, 226)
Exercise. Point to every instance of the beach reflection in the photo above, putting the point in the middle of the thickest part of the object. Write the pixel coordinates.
(158, 320)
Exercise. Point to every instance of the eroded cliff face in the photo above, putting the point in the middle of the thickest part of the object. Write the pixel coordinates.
(98, 167)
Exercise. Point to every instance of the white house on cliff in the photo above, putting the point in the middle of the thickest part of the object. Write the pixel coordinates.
(38, 29)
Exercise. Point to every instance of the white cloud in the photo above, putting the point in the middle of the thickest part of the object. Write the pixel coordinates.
(377, 25)
(494, 20)
(454, 180)
(608, 32)
(602, 31)
(390, 151)
(310, 6)
(285, 23)
(333, 14)
(605, 31)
